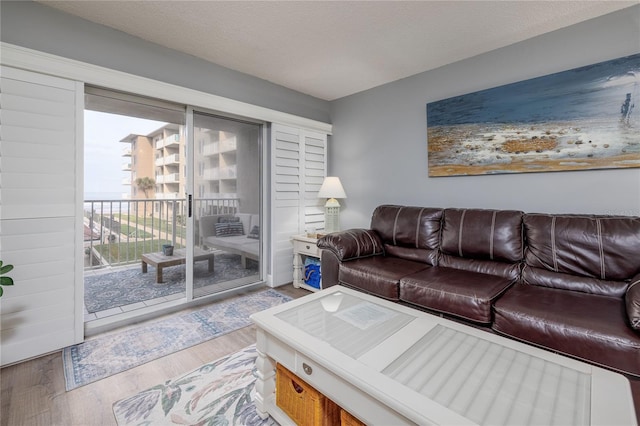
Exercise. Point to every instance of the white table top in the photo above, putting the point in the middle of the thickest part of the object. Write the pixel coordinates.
(433, 370)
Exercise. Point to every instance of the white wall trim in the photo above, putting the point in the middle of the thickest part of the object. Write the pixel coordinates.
(33, 60)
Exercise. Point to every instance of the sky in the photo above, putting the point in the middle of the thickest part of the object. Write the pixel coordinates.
(103, 150)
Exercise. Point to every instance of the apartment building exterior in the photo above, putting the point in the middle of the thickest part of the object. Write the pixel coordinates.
(161, 156)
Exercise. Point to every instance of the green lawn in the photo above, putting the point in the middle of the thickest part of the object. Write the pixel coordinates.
(131, 251)
(150, 222)
(133, 231)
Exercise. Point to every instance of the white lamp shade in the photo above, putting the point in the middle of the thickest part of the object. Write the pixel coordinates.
(331, 188)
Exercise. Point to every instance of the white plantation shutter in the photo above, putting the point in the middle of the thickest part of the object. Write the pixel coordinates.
(298, 167)
(315, 169)
(40, 221)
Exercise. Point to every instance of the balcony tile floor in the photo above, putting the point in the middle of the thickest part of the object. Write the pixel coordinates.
(125, 308)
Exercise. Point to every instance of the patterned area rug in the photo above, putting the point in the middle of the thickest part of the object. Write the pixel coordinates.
(113, 353)
(219, 393)
(106, 291)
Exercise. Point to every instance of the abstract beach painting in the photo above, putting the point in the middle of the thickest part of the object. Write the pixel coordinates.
(581, 119)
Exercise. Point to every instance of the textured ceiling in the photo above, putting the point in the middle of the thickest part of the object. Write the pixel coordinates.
(331, 49)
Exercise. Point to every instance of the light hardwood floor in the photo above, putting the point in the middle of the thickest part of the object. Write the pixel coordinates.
(33, 392)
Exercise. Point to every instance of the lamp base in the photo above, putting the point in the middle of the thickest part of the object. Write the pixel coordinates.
(332, 216)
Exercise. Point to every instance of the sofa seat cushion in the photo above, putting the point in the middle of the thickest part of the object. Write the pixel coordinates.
(379, 275)
(586, 326)
(461, 293)
(239, 244)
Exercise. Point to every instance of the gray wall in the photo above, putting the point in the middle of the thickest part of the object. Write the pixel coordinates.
(32, 25)
(379, 145)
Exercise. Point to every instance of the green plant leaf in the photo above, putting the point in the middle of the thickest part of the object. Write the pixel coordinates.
(1, 291)
(4, 269)
(6, 281)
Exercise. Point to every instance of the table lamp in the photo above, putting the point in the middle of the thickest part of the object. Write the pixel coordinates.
(331, 189)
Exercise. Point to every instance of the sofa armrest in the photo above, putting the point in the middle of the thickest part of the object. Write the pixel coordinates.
(352, 244)
(330, 267)
(632, 300)
(208, 226)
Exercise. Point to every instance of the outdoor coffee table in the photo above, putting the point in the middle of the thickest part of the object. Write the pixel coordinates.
(388, 364)
(160, 261)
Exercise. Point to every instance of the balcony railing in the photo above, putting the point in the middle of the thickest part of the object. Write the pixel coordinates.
(118, 232)
(168, 196)
(169, 140)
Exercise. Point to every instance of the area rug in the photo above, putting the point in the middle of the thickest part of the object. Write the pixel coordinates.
(218, 393)
(113, 289)
(113, 353)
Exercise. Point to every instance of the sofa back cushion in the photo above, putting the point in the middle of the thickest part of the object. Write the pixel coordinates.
(483, 234)
(593, 254)
(484, 241)
(410, 233)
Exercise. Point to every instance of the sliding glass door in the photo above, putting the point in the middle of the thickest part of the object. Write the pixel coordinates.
(226, 203)
(172, 205)
(134, 204)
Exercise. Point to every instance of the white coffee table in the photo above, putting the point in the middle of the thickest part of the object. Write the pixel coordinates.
(388, 364)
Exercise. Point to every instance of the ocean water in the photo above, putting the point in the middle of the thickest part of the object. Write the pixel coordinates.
(88, 196)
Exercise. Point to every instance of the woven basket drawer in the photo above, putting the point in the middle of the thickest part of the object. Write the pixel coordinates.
(346, 419)
(302, 403)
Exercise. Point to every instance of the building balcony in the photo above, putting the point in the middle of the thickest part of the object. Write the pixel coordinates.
(229, 172)
(126, 152)
(171, 178)
(172, 140)
(228, 145)
(126, 167)
(126, 181)
(118, 232)
(210, 148)
(172, 159)
(211, 174)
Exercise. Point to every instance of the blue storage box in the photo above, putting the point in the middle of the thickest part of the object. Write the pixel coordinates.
(312, 274)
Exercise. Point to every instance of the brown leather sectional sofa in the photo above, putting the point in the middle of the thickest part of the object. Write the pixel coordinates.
(568, 283)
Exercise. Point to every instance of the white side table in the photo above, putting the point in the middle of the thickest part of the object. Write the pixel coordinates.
(303, 247)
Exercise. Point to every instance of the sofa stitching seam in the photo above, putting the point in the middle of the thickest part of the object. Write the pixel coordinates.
(460, 233)
(493, 230)
(553, 244)
(395, 225)
(603, 271)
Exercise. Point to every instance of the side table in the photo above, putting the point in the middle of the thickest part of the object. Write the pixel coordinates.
(303, 247)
